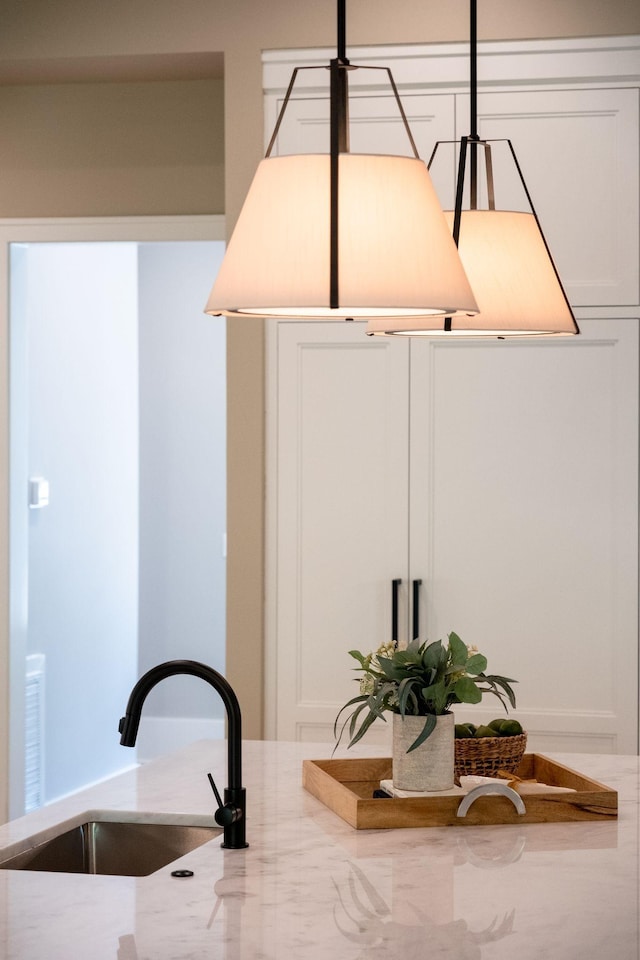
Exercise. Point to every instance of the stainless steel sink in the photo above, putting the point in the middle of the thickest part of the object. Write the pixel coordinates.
(117, 848)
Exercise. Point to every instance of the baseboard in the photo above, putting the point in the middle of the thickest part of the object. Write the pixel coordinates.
(159, 735)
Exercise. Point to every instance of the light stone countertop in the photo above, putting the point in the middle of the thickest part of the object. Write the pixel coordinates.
(309, 887)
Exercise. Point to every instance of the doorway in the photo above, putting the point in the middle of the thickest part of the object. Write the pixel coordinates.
(117, 411)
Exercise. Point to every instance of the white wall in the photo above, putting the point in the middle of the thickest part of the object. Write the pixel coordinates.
(182, 486)
(80, 315)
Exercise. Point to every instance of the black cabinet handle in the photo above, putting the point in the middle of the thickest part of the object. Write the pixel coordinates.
(395, 586)
(415, 633)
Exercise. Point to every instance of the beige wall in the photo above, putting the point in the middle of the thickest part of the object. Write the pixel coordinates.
(112, 149)
(38, 36)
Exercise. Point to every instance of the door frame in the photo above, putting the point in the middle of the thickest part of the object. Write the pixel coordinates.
(13, 594)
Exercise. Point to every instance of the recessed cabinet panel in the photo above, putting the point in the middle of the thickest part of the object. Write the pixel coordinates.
(524, 493)
(375, 126)
(578, 150)
(341, 534)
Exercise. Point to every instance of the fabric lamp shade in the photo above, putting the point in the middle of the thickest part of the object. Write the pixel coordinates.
(513, 278)
(396, 254)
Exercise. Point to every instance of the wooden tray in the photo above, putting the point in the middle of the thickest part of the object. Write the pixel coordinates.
(346, 787)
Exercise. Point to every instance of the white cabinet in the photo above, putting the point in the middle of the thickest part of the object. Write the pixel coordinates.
(503, 475)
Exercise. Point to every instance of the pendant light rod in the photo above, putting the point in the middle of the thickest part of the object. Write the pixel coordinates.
(473, 80)
(339, 143)
(342, 30)
(473, 85)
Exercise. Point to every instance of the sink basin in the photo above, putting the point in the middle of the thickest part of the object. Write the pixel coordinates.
(114, 847)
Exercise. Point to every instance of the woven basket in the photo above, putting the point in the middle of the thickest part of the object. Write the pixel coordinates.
(484, 756)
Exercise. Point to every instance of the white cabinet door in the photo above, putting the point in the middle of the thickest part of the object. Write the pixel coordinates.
(524, 522)
(338, 472)
(578, 150)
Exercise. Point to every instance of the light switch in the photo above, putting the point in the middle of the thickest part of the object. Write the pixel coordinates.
(38, 493)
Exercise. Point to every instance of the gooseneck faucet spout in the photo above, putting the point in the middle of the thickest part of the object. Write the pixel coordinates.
(231, 815)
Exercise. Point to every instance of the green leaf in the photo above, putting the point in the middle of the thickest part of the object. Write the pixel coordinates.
(429, 726)
(405, 690)
(389, 669)
(426, 676)
(366, 723)
(505, 683)
(435, 696)
(362, 700)
(354, 720)
(378, 702)
(457, 650)
(428, 693)
(349, 703)
(358, 656)
(476, 664)
(467, 691)
(432, 655)
(455, 668)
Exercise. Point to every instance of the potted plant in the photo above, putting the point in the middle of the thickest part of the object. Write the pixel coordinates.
(419, 685)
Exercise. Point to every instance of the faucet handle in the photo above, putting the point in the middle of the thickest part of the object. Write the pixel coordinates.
(227, 813)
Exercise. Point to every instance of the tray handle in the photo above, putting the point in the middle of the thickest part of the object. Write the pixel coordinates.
(491, 788)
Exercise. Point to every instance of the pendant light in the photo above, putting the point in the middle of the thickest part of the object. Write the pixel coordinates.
(504, 252)
(341, 235)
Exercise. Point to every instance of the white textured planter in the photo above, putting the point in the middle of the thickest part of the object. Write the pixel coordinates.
(431, 765)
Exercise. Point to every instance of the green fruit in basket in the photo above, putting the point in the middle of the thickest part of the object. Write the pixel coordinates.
(510, 728)
(497, 724)
(463, 732)
(485, 731)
